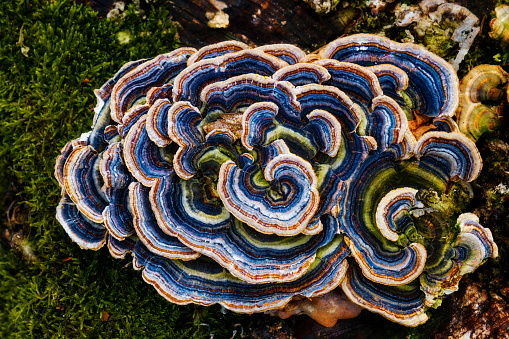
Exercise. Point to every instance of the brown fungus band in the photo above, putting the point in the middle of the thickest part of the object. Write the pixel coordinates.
(260, 178)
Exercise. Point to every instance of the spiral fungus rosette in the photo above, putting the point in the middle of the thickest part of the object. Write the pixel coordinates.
(251, 177)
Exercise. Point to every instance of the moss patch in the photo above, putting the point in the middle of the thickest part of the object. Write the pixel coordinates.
(53, 54)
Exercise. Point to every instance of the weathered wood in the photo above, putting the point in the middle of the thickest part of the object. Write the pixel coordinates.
(260, 22)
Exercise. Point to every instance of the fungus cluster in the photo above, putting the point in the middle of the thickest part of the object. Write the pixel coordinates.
(256, 177)
(482, 94)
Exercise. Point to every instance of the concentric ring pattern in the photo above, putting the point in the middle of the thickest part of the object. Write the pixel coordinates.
(248, 176)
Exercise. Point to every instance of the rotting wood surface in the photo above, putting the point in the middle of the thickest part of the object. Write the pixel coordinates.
(255, 22)
(260, 22)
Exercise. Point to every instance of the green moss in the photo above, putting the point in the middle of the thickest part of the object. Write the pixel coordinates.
(439, 41)
(53, 54)
(372, 24)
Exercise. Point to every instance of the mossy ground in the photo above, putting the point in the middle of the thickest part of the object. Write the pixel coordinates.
(52, 55)
(46, 98)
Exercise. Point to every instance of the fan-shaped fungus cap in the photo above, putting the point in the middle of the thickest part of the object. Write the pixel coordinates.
(481, 94)
(500, 25)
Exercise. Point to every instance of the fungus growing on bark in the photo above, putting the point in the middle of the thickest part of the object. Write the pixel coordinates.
(248, 176)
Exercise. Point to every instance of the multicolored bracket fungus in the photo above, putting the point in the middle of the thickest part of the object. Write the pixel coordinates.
(266, 179)
(500, 25)
(483, 91)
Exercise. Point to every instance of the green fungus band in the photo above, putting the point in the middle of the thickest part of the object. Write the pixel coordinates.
(251, 177)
